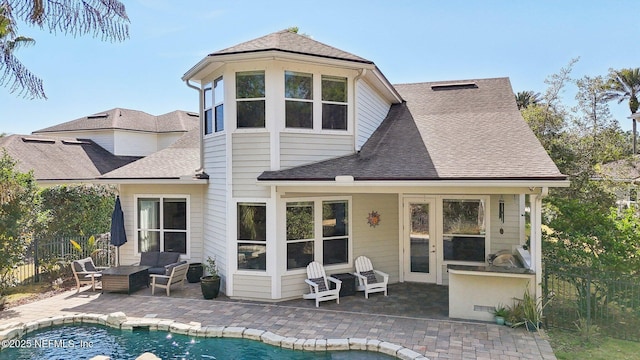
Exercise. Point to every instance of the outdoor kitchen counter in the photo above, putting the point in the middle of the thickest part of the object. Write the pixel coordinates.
(475, 291)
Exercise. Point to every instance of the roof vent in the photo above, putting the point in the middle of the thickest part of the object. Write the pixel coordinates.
(98, 116)
(39, 140)
(193, 114)
(74, 142)
(454, 86)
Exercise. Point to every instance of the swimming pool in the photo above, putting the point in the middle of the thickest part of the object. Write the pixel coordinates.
(87, 341)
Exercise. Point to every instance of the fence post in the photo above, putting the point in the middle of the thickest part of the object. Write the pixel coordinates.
(36, 262)
(588, 304)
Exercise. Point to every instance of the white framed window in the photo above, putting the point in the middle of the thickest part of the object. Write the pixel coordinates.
(162, 223)
(464, 227)
(318, 230)
(334, 103)
(298, 95)
(250, 99)
(252, 236)
(213, 106)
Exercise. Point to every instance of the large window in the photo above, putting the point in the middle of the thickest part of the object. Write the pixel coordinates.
(250, 95)
(298, 93)
(317, 230)
(464, 229)
(162, 224)
(252, 236)
(334, 103)
(214, 106)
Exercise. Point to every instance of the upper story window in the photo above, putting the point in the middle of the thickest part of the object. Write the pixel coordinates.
(298, 93)
(250, 99)
(334, 103)
(214, 106)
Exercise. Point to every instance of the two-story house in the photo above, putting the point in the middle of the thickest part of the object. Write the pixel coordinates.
(312, 154)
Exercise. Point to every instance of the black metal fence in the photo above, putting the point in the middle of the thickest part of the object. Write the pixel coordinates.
(592, 302)
(46, 259)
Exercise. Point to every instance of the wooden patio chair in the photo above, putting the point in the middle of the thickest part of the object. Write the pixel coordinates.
(370, 280)
(85, 272)
(318, 285)
(176, 276)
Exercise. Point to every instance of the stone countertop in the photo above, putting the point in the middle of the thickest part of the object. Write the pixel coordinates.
(492, 269)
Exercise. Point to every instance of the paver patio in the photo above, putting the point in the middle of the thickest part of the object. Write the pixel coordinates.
(398, 319)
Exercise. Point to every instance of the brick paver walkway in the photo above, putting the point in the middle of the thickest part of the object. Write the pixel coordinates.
(435, 338)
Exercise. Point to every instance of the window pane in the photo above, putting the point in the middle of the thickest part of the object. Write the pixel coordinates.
(250, 84)
(175, 242)
(334, 117)
(299, 114)
(251, 114)
(464, 248)
(252, 222)
(335, 251)
(299, 254)
(298, 85)
(218, 91)
(463, 217)
(300, 220)
(175, 214)
(252, 257)
(335, 218)
(208, 122)
(334, 89)
(148, 213)
(148, 241)
(219, 118)
(207, 96)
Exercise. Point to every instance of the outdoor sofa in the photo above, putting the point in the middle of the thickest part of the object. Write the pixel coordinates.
(160, 262)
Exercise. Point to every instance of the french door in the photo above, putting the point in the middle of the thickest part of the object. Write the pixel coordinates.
(420, 241)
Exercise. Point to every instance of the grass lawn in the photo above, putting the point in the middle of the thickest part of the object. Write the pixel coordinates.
(568, 345)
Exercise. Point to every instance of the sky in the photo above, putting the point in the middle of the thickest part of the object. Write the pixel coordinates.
(409, 41)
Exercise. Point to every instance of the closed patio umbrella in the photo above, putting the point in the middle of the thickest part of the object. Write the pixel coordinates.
(118, 235)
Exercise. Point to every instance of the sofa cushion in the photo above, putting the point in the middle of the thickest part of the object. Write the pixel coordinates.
(149, 258)
(166, 258)
(157, 270)
(84, 265)
(322, 286)
(370, 275)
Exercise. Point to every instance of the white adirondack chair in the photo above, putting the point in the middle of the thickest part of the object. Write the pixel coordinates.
(370, 280)
(318, 285)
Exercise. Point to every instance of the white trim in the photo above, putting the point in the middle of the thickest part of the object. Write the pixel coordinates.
(533, 184)
(176, 181)
(136, 227)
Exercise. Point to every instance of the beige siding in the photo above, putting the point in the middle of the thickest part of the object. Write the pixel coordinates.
(511, 226)
(103, 138)
(251, 287)
(300, 148)
(129, 143)
(293, 286)
(166, 139)
(380, 243)
(372, 109)
(195, 192)
(215, 203)
(251, 156)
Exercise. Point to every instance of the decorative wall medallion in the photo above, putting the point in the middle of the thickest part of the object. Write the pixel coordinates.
(373, 219)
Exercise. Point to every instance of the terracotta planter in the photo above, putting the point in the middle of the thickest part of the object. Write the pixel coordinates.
(210, 286)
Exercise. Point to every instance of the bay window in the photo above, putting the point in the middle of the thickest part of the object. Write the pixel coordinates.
(162, 224)
(250, 99)
(252, 236)
(213, 104)
(464, 229)
(317, 231)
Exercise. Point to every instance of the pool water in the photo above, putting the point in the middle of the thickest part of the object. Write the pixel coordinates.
(84, 342)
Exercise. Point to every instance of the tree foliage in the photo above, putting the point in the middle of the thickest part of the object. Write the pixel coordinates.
(106, 19)
(73, 210)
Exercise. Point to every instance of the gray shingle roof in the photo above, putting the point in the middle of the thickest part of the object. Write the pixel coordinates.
(61, 159)
(126, 119)
(621, 170)
(182, 158)
(291, 42)
(462, 130)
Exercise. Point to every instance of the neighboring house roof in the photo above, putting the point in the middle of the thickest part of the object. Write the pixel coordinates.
(621, 170)
(181, 159)
(126, 119)
(288, 41)
(61, 159)
(462, 130)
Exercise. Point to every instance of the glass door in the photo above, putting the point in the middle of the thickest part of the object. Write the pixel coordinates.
(419, 240)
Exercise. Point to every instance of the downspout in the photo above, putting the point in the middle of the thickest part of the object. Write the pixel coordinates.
(361, 73)
(200, 170)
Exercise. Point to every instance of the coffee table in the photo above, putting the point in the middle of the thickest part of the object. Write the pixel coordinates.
(125, 278)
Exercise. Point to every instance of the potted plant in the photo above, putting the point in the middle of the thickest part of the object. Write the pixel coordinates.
(515, 314)
(500, 312)
(532, 310)
(210, 284)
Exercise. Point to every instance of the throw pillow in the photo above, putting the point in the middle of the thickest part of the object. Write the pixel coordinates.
(322, 286)
(88, 265)
(370, 275)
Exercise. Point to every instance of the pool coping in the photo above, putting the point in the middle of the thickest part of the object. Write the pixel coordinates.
(120, 320)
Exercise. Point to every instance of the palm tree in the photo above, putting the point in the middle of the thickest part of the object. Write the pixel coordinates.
(622, 85)
(101, 18)
(526, 98)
